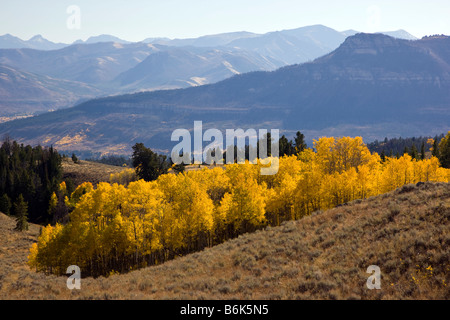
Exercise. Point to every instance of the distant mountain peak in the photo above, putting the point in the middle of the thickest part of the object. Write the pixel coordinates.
(38, 38)
(37, 42)
(316, 26)
(8, 35)
(105, 38)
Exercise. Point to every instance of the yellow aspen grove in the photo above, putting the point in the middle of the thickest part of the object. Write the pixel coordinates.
(125, 225)
(342, 154)
(243, 208)
(308, 192)
(281, 197)
(46, 254)
(189, 210)
(142, 212)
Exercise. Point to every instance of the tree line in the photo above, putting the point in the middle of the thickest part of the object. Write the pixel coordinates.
(35, 173)
(149, 165)
(416, 147)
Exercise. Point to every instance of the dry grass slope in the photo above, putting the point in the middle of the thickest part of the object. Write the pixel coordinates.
(88, 171)
(324, 256)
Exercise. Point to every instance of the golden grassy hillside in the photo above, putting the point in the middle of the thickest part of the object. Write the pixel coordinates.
(87, 171)
(323, 256)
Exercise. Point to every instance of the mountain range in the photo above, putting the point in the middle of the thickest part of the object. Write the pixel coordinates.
(108, 65)
(372, 85)
(178, 67)
(43, 92)
(38, 42)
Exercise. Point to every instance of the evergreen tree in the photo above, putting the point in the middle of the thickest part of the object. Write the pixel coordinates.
(148, 164)
(178, 168)
(209, 159)
(435, 149)
(406, 150)
(286, 148)
(264, 146)
(300, 144)
(21, 213)
(422, 151)
(413, 152)
(383, 156)
(74, 158)
(444, 151)
(5, 204)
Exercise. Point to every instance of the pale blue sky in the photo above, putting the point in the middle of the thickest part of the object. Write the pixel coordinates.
(136, 20)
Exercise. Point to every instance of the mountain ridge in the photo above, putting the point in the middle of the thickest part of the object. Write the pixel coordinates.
(47, 93)
(114, 66)
(38, 42)
(375, 85)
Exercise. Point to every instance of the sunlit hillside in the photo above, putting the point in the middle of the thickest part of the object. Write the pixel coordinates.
(323, 256)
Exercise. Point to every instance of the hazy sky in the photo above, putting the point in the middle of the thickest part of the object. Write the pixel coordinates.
(135, 20)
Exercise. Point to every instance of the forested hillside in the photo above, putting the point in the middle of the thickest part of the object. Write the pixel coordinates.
(117, 228)
(398, 146)
(33, 172)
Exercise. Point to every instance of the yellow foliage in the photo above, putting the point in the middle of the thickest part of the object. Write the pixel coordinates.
(244, 207)
(53, 202)
(63, 188)
(81, 190)
(124, 177)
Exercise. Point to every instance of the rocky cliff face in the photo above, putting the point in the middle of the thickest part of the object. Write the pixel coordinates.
(379, 57)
